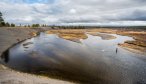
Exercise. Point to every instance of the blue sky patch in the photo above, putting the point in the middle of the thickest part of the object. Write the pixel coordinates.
(39, 1)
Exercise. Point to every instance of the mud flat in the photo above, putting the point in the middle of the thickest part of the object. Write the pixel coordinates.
(9, 37)
(102, 35)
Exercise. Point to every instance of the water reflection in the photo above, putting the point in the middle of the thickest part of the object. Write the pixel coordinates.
(5, 56)
(92, 61)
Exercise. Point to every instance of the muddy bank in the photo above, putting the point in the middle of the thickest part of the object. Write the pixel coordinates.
(139, 43)
(102, 35)
(9, 37)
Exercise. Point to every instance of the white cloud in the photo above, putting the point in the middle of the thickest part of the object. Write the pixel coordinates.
(75, 11)
(72, 11)
(27, 18)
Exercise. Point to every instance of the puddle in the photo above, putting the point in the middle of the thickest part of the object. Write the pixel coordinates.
(94, 60)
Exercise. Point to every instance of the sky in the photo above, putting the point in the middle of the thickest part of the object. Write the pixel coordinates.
(74, 12)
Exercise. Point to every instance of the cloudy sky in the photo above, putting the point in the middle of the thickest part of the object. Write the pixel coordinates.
(88, 12)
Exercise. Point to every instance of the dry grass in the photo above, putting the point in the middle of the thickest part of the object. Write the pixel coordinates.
(70, 34)
(103, 30)
(139, 43)
(33, 34)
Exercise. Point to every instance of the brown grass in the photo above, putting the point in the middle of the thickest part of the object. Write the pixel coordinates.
(139, 43)
(70, 34)
(33, 34)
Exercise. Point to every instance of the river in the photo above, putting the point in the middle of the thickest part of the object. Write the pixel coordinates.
(93, 60)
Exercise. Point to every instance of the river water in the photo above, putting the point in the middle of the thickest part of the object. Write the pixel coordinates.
(93, 61)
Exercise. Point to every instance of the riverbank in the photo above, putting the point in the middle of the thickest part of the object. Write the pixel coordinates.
(9, 37)
(140, 40)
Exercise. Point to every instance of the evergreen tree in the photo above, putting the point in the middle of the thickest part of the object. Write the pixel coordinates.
(12, 25)
(2, 23)
(35, 25)
(7, 24)
(28, 26)
(20, 25)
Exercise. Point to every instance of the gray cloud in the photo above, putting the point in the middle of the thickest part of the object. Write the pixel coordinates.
(74, 11)
(137, 15)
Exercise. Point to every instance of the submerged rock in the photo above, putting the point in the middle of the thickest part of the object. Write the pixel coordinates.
(28, 43)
